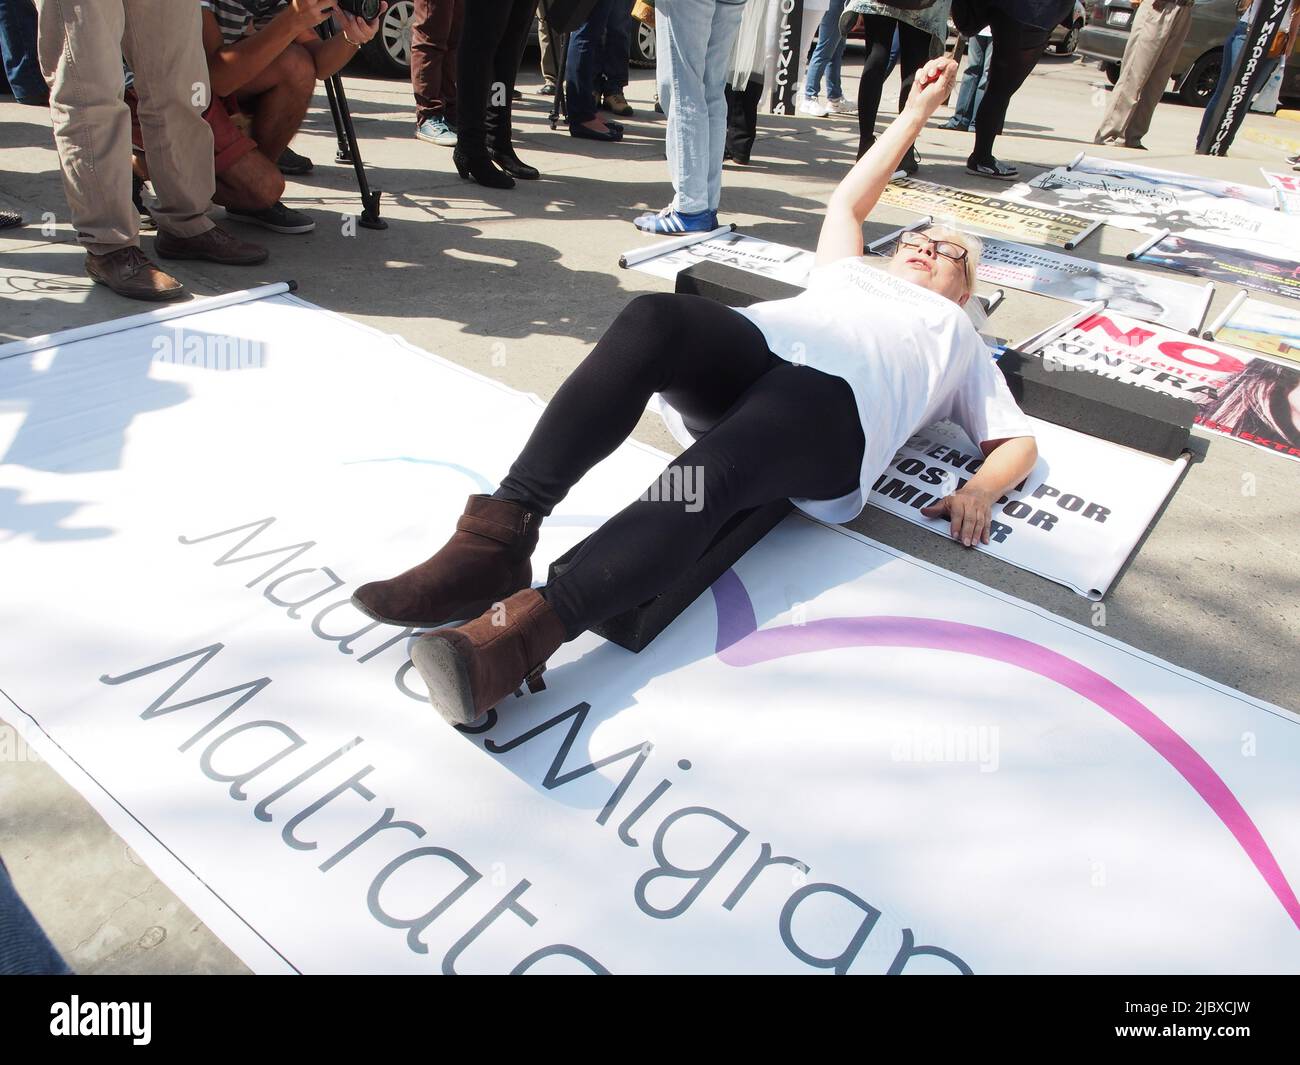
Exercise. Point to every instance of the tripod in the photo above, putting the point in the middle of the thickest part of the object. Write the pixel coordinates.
(348, 150)
(562, 17)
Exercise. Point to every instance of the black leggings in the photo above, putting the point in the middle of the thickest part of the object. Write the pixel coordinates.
(913, 51)
(1016, 50)
(765, 429)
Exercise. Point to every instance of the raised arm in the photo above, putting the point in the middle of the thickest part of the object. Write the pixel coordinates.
(857, 194)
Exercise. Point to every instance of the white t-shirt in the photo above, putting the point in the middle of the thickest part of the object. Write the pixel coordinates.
(911, 356)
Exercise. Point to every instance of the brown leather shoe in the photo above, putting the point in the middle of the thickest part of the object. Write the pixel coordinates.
(130, 273)
(486, 559)
(215, 246)
(472, 667)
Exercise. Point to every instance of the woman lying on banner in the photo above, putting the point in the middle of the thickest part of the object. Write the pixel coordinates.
(805, 398)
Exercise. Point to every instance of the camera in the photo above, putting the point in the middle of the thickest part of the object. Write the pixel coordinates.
(366, 9)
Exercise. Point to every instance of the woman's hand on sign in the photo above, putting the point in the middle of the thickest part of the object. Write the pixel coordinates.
(970, 512)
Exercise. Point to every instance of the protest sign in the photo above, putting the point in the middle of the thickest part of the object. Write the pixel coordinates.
(1142, 295)
(987, 214)
(1263, 267)
(1246, 397)
(1287, 188)
(1076, 518)
(1265, 327)
(1131, 196)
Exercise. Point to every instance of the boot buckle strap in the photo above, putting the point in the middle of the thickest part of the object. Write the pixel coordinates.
(493, 530)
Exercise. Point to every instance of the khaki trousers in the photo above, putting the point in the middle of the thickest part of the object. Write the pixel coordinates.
(546, 46)
(81, 45)
(1149, 57)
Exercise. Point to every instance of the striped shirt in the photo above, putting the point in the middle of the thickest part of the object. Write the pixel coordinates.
(239, 18)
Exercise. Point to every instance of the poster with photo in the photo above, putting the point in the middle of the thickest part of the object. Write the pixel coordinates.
(1250, 398)
(1145, 199)
(1264, 327)
(1287, 187)
(1264, 267)
(1140, 295)
(986, 214)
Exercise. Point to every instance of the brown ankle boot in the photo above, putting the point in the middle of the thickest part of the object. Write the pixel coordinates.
(472, 667)
(486, 560)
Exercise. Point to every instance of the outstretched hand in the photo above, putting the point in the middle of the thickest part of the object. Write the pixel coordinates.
(970, 513)
(932, 85)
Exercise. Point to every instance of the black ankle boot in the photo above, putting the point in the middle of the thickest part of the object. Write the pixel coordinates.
(481, 169)
(514, 166)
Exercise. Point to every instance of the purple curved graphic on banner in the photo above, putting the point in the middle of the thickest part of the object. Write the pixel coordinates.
(742, 643)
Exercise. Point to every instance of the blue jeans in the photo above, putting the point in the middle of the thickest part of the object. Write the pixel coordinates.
(586, 50)
(828, 55)
(694, 39)
(974, 81)
(1231, 53)
(22, 68)
(25, 950)
(611, 57)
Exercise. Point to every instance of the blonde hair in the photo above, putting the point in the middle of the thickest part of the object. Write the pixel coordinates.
(973, 245)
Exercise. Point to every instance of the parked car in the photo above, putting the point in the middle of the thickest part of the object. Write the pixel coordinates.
(389, 52)
(1065, 38)
(1196, 71)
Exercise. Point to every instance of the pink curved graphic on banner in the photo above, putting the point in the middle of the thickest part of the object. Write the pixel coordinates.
(742, 643)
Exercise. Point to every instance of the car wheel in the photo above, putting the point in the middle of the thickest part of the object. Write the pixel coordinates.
(389, 51)
(1111, 70)
(642, 50)
(1070, 41)
(1198, 86)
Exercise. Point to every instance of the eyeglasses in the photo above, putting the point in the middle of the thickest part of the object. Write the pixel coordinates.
(919, 242)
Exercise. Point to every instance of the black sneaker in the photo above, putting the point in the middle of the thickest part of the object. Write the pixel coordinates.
(292, 164)
(991, 168)
(910, 163)
(9, 219)
(277, 218)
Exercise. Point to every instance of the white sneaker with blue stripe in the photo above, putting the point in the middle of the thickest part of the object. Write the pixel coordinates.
(673, 223)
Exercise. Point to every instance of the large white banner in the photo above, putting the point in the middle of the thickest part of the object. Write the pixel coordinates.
(1076, 518)
(839, 759)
